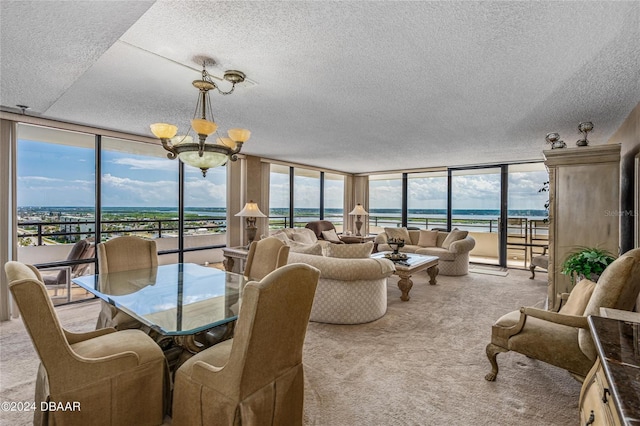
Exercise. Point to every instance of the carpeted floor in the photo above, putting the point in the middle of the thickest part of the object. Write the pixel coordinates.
(423, 363)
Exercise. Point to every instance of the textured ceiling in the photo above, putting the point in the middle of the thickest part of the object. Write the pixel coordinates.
(350, 86)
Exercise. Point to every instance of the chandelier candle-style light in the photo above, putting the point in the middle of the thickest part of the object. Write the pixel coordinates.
(200, 154)
(358, 211)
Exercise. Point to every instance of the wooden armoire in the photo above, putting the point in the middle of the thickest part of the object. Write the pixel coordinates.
(584, 206)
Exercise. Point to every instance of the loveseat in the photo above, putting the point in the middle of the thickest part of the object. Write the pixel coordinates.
(451, 247)
(350, 290)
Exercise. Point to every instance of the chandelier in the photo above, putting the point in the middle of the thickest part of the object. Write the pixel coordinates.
(201, 154)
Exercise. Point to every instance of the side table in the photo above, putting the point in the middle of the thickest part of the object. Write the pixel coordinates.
(231, 254)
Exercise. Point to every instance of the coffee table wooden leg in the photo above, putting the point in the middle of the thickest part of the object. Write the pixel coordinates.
(433, 273)
(405, 285)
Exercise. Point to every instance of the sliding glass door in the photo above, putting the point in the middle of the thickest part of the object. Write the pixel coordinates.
(475, 207)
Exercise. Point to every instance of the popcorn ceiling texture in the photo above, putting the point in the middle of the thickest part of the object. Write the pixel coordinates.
(350, 86)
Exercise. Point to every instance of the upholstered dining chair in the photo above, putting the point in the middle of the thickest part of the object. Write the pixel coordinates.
(118, 254)
(110, 377)
(265, 256)
(257, 377)
(563, 338)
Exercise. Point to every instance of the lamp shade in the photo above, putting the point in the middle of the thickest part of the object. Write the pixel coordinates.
(358, 211)
(250, 210)
(203, 127)
(239, 135)
(226, 142)
(163, 130)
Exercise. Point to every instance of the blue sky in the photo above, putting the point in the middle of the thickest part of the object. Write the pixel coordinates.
(60, 175)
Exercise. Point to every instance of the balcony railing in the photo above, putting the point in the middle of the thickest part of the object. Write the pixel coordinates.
(58, 231)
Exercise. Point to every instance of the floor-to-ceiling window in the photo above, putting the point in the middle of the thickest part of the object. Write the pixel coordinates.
(475, 207)
(427, 200)
(60, 202)
(279, 196)
(205, 211)
(385, 201)
(528, 230)
(306, 196)
(501, 206)
(298, 195)
(55, 192)
(139, 192)
(334, 199)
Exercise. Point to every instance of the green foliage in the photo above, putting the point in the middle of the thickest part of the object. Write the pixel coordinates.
(545, 188)
(586, 261)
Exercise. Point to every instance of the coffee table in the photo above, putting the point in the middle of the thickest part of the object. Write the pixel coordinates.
(406, 268)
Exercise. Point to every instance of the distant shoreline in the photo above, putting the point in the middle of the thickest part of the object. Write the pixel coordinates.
(283, 212)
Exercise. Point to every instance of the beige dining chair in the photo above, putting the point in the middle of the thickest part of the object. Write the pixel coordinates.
(119, 254)
(257, 377)
(106, 377)
(265, 256)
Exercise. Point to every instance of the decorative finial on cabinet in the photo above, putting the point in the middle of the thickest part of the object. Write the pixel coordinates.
(584, 127)
(553, 138)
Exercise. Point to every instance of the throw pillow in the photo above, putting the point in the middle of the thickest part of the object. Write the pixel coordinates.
(454, 235)
(304, 237)
(281, 236)
(427, 238)
(314, 249)
(331, 235)
(578, 298)
(398, 233)
(350, 251)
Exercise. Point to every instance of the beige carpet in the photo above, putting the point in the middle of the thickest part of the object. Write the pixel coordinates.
(423, 363)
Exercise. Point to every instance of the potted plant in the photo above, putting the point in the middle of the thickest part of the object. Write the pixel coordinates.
(586, 262)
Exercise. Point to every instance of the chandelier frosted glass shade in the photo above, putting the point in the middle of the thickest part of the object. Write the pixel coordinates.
(209, 160)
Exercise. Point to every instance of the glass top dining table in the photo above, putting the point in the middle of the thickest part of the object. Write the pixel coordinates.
(177, 299)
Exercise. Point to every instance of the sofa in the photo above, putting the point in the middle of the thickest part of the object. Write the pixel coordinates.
(350, 290)
(297, 237)
(451, 247)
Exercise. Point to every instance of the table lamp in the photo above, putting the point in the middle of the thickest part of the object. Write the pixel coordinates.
(357, 212)
(250, 212)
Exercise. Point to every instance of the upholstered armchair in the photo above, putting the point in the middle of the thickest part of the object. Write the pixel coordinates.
(562, 338)
(265, 256)
(257, 377)
(114, 377)
(125, 253)
(320, 226)
(541, 261)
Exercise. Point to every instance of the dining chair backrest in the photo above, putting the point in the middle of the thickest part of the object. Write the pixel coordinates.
(39, 317)
(265, 256)
(126, 253)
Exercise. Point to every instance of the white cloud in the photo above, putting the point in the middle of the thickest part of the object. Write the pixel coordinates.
(146, 163)
(118, 191)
